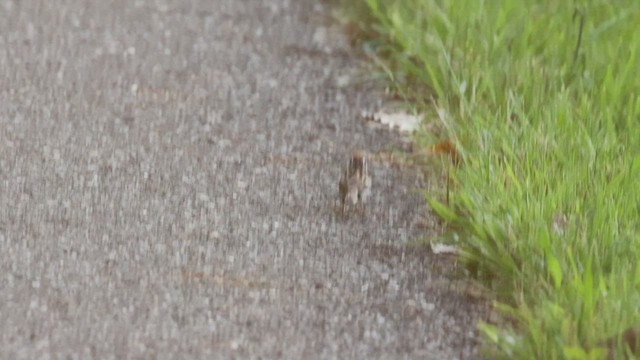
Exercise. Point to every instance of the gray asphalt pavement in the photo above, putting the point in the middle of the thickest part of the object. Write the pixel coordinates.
(168, 184)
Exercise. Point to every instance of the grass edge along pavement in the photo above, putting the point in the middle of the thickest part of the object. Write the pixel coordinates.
(542, 101)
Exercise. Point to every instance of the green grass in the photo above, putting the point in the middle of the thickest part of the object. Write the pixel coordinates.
(542, 99)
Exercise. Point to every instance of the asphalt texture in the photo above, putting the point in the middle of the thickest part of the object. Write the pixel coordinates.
(168, 190)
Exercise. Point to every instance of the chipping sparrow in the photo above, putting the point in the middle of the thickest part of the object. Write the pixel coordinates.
(355, 182)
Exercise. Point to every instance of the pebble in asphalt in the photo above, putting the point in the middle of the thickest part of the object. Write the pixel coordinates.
(168, 176)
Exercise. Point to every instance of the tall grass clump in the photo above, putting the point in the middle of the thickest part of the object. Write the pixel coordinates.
(542, 99)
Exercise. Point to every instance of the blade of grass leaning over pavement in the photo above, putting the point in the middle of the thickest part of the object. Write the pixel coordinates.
(542, 97)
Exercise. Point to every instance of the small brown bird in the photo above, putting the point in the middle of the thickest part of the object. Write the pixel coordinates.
(355, 183)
